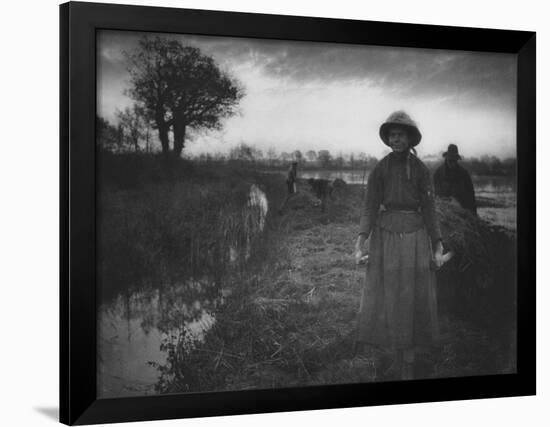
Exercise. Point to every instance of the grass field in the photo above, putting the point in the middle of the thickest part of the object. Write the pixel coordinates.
(286, 315)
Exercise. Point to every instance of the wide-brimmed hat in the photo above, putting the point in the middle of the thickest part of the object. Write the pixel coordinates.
(400, 118)
(452, 152)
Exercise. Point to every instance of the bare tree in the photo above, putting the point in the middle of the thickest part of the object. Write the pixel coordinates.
(285, 157)
(324, 158)
(311, 155)
(134, 124)
(271, 156)
(107, 135)
(297, 154)
(242, 152)
(340, 160)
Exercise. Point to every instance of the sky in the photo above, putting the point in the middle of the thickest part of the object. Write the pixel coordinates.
(327, 96)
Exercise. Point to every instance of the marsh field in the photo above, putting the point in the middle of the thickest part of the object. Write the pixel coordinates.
(209, 281)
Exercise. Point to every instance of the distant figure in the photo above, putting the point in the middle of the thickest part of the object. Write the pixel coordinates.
(322, 189)
(453, 181)
(291, 178)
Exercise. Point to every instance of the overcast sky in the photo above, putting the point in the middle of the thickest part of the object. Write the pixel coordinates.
(314, 96)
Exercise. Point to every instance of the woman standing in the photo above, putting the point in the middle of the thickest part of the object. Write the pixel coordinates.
(398, 306)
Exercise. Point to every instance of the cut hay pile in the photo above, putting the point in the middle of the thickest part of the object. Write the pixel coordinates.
(481, 278)
(301, 200)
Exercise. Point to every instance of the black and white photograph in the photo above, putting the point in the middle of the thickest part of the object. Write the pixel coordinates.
(278, 213)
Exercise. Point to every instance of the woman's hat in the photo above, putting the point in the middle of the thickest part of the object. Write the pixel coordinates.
(452, 152)
(402, 119)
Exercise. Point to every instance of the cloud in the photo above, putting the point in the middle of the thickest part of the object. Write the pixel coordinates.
(469, 77)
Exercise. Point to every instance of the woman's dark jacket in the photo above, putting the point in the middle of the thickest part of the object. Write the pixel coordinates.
(400, 183)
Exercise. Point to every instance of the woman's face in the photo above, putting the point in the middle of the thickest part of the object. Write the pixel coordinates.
(398, 139)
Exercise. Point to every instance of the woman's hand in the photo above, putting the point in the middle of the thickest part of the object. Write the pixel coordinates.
(360, 253)
(439, 258)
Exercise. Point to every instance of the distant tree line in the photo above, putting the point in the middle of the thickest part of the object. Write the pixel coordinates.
(272, 159)
(121, 138)
(324, 159)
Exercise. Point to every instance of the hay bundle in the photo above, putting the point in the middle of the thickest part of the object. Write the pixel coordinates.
(300, 200)
(479, 245)
(481, 276)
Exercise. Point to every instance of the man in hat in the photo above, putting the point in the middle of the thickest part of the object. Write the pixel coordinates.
(291, 178)
(453, 181)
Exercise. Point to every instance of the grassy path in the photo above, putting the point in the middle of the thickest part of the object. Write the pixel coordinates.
(316, 291)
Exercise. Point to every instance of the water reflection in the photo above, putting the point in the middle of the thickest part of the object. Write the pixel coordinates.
(350, 177)
(133, 329)
(484, 184)
(141, 334)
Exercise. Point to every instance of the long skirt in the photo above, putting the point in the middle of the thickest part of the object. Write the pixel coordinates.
(398, 307)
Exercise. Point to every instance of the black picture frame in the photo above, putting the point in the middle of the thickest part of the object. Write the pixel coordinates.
(78, 303)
